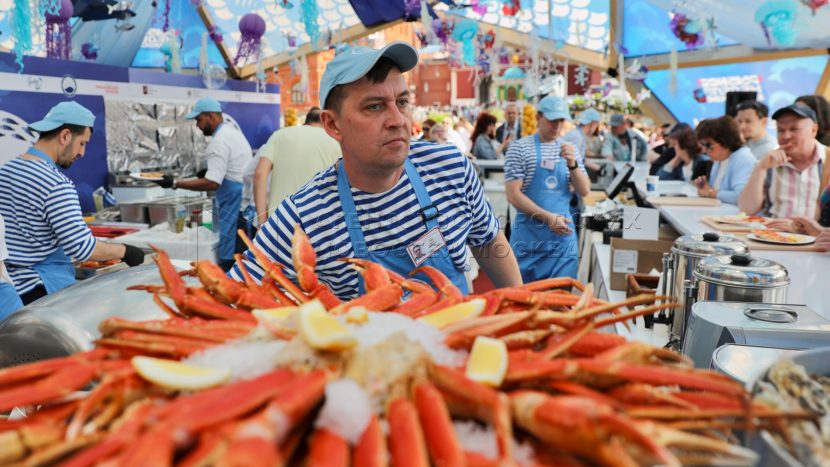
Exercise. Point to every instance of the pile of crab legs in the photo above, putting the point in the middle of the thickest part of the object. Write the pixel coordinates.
(577, 395)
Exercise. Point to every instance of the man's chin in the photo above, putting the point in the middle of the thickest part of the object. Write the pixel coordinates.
(65, 165)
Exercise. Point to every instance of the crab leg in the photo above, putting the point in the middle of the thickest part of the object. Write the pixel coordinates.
(553, 283)
(444, 448)
(370, 450)
(586, 428)
(305, 260)
(327, 449)
(274, 270)
(449, 293)
(406, 439)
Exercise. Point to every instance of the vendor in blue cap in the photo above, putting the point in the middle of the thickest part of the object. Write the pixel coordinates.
(401, 204)
(227, 155)
(539, 173)
(44, 225)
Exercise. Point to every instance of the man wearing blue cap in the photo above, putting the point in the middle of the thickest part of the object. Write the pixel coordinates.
(539, 173)
(227, 154)
(44, 225)
(398, 204)
(586, 126)
(623, 144)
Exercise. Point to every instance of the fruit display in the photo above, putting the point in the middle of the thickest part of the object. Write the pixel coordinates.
(528, 120)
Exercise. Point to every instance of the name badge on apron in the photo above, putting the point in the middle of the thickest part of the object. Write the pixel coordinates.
(548, 163)
(426, 246)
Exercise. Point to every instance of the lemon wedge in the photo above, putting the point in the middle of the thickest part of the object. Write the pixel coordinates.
(454, 313)
(176, 375)
(357, 315)
(323, 331)
(279, 313)
(488, 361)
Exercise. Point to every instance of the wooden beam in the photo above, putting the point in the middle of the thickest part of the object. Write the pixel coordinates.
(615, 32)
(725, 55)
(346, 35)
(652, 107)
(223, 48)
(574, 54)
(823, 88)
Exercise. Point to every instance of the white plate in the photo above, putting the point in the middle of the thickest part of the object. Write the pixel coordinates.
(802, 239)
(734, 220)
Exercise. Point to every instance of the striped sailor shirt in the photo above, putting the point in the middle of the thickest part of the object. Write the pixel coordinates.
(520, 160)
(389, 220)
(40, 207)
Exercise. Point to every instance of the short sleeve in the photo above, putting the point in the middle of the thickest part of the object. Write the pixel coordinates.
(514, 167)
(217, 155)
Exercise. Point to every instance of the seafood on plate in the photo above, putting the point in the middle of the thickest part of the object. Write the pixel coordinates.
(98, 264)
(283, 373)
(788, 386)
(781, 237)
(740, 218)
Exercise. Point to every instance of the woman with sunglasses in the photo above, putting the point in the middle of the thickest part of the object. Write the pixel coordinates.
(733, 162)
(688, 163)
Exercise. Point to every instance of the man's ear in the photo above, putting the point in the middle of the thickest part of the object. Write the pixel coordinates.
(329, 120)
(65, 136)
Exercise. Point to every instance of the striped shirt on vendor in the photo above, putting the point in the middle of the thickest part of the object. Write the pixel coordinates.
(42, 213)
(792, 193)
(391, 219)
(520, 160)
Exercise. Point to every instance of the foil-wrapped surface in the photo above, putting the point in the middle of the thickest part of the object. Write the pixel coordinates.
(151, 136)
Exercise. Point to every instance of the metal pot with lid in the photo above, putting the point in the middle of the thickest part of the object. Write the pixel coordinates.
(679, 266)
(741, 278)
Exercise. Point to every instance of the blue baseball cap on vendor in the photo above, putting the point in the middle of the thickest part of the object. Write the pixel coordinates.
(64, 133)
(554, 108)
(205, 104)
(353, 63)
(589, 116)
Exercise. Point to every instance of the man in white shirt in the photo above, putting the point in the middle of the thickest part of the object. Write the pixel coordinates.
(511, 126)
(291, 157)
(227, 155)
(752, 120)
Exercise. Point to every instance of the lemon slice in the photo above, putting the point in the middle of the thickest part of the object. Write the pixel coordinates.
(454, 313)
(176, 375)
(321, 330)
(357, 315)
(279, 313)
(488, 361)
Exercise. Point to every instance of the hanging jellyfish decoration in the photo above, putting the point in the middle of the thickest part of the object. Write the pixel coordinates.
(465, 33)
(479, 7)
(778, 21)
(511, 7)
(688, 30)
(58, 32)
(21, 32)
(89, 51)
(170, 49)
(310, 14)
(442, 28)
(252, 27)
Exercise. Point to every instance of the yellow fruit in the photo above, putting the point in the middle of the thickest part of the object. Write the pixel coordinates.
(176, 375)
(279, 313)
(454, 313)
(488, 361)
(321, 330)
(357, 315)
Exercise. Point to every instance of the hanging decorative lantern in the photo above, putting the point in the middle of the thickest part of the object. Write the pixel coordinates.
(465, 33)
(252, 27)
(21, 31)
(58, 32)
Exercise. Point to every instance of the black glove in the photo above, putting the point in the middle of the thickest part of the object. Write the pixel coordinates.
(201, 173)
(166, 181)
(133, 255)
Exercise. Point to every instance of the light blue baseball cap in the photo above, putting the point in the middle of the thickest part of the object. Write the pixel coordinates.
(589, 116)
(554, 108)
(354, 62)
(205, 104)
(65, 113)
(617, 120)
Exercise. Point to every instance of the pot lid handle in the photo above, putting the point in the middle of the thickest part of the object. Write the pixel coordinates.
(741, 259)
(711, 237)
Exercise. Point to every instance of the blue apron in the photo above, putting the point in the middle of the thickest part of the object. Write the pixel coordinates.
(541, 252)
(9, 300)
(397, 259)
(226, 205)
(56, 270)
